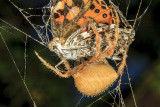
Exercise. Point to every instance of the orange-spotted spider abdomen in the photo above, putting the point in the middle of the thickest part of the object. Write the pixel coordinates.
(94, 79)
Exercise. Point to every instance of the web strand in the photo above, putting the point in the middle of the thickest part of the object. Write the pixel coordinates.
(26, 87)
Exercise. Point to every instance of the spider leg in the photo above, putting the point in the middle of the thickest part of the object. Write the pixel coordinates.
(98, 49)
(110, 50)
(123, 62)
(108, 39)
(68, 74)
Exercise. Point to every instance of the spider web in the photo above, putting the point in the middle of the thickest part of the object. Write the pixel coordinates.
(112, 97)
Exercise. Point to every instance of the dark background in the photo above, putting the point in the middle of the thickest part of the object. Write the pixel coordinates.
(47, 89)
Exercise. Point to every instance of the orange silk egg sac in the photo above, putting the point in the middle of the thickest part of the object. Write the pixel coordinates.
(94, 79)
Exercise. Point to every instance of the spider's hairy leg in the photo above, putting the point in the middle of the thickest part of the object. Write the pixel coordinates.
(110, 50)
(123, 62)
(108, 40)
(98, 49)
(65, 75)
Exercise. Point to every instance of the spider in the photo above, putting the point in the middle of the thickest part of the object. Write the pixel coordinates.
(94, 76)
